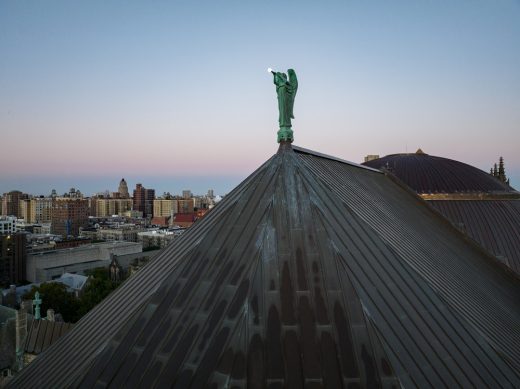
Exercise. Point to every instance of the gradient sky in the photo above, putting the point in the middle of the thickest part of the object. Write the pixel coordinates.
(175, 94)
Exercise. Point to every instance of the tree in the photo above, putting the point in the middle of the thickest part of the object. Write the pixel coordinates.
(98, 287)
(54, 295)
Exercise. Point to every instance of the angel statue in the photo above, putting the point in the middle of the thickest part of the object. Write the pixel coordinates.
(286, 90)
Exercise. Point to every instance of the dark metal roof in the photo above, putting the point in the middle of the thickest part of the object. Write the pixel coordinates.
(312, 272)
(429, 174)
(44, 333)
(495, 224)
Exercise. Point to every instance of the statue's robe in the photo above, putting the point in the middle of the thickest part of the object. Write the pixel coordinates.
(286, 90)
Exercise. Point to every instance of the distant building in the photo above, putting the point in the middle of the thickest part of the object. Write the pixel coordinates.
(126, 234)
(201, 212)
(13, 257)
(157, 238)
(184, 219)
(133, 214)
(371, 157)
(165, 207)
(25, 210)
(163, 221)
(40, 210)
(138, 199)
(69, 215)
(73, 194)
(75, 283)
(109, 207)
(123, 189)
(186, 194)
(11, 203)
(149, 197)
(143, 200)
(185, 206)
(48, 265)
(8, 225)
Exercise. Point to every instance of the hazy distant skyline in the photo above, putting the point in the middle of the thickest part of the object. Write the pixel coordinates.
(94, 91)
(90, 185)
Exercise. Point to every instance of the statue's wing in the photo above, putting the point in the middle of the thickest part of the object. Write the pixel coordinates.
(293, 85)
(293, 81)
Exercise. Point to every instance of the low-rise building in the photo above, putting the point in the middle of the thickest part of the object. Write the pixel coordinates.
(184, 219)
(161, 221)
(158, 238)
(119, 234)
(8, 225)
(47, 265)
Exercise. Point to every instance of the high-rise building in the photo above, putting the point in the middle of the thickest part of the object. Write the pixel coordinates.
(149, 197)
(11, 203)
(143, 200)
(139, 198)
(13, 258)
(41, 208)
(123, 190)
(68, 215)
(74, 194)
(25, 210)
(186, 194)
(185, 206)
(165, 207)
(109, 207)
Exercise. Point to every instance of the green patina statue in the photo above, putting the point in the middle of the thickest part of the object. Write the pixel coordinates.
(37, 301)
(286, 90)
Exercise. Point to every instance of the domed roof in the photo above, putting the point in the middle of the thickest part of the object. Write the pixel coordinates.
(430, 174)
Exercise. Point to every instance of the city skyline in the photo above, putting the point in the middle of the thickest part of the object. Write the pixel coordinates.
(164, 90)
(90, 186)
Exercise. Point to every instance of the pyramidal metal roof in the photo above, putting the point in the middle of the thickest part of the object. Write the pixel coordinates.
(313, 272)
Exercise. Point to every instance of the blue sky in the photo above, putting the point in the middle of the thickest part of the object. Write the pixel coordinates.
(168, 92)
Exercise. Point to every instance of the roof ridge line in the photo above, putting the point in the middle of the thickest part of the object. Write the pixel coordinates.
(331, 157)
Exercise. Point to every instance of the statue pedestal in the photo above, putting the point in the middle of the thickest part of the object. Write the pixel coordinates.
(285, 134)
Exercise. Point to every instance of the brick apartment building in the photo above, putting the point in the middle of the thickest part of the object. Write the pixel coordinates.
(68, 215)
